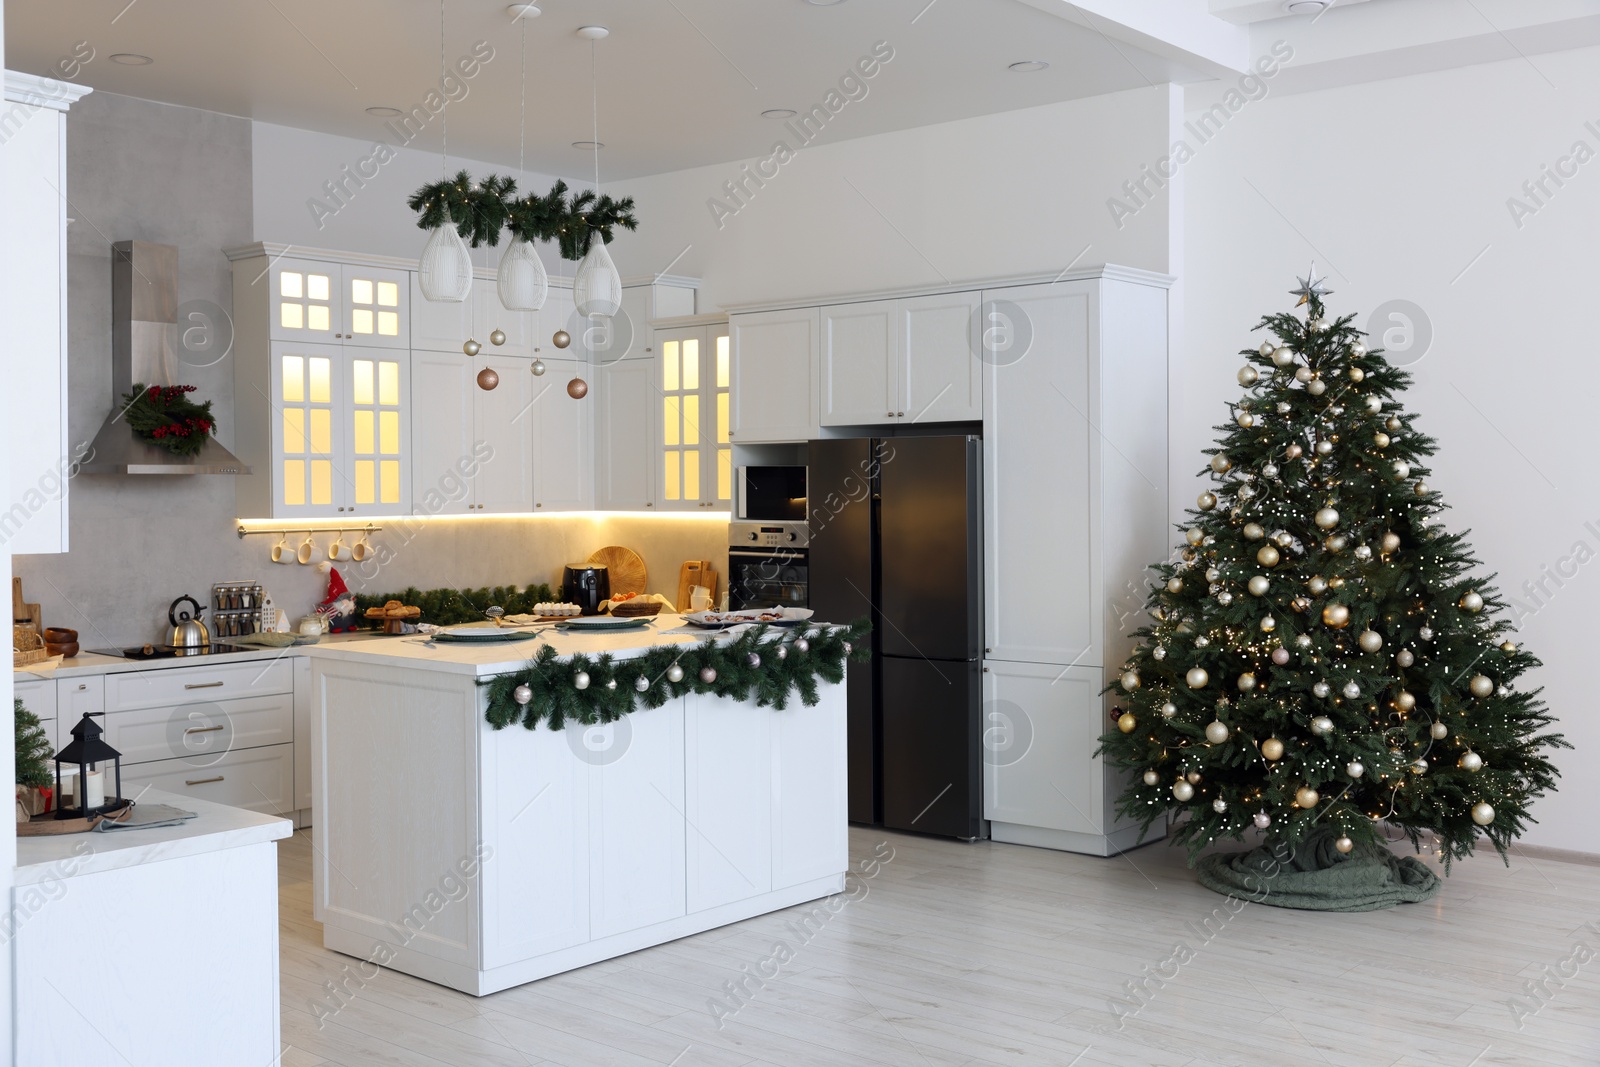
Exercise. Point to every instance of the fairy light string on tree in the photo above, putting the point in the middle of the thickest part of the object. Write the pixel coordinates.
(1323, 655)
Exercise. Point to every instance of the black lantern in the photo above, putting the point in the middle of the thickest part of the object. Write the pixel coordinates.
(86, 752)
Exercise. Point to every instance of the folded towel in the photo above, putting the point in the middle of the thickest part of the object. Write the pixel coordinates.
(146, 816)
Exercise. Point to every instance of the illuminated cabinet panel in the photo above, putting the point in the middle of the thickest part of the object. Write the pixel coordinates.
(375, 307)
(314, 301)
(693, 458)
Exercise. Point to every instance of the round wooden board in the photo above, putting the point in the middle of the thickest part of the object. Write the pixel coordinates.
(47, 825)
(625, 567)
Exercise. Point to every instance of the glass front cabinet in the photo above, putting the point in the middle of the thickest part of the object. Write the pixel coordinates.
(695, 458)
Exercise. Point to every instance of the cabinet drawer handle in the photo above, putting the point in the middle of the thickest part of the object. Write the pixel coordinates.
(202, 781)
(899, 414)
(82, 686)
(202, 685)
(203, 729)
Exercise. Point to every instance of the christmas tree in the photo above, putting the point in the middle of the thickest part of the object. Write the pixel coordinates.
(1323, 656)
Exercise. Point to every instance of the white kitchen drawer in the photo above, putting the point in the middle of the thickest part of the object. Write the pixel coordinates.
(257, 779)
(199, 732)
(76, 697)
(38, 695)
(189, 685)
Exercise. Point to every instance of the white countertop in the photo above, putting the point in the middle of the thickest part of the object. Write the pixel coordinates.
(414, 650)
(215, 827)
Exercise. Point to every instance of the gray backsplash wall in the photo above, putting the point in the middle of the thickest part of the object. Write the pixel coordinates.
(144, 171)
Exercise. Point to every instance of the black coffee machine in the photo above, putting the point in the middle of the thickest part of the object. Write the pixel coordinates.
(587, 585)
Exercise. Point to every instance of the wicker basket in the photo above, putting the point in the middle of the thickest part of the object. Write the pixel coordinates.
(637, 608)
(27, 646)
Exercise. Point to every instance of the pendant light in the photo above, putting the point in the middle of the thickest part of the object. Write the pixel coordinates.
(522, 282)
(444, 273)
(597, 288)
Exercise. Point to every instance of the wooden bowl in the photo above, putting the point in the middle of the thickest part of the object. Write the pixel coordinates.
(66, 648)
(59, 635)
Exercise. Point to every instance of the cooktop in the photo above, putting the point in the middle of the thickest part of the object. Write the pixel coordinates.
(167, 651)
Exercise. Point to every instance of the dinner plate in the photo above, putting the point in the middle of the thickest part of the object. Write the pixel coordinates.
(602, 622)
(480, 633)
(721, 620)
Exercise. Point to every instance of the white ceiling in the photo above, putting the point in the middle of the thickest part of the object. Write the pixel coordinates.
(682, 82)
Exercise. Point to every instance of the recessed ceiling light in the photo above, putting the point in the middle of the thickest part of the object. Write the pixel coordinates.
(1306, 7)
(523, 11)
(131, 59)
(385, 112)
(588, 146)
(1027, 66)
(594, 33)
(779, 113)
(824, 3)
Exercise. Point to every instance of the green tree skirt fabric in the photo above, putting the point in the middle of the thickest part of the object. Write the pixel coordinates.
(1315, 876)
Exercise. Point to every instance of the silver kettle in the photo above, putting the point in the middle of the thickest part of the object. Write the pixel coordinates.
(187, 629)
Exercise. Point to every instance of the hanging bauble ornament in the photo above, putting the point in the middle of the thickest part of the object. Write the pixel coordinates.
(1322, 726)
(1219, 805)
(1246, 419)
(538, 368)
(1197, 677)
(1470, 761)
(1307, 797)
(1370, 640)
(1335, 543)
(1280, 656)
(597, 287)
(1501, 691)
(1317, 325)
(1267, 556)
(471, 347)
(1272, 749)
(1253, 531)
(675, 673)
(497, 337)
(612, 685)
(1194, 535)
(1321, 689)
(1317, 584)
(1294, 452)
(1258, 585)
(1380, 439)
(561, 338)
(1356, 374)
(1217, 732)
(1363, 553)
(1355, 769)
(1220, 463)
(1202, 641)
(1168, 710)
(1152, 778)
(1480, 685)
(1390, 542)
(782, 652)
(1281, 407)
(1213, 574)
(1374, 404)
(1508, 646)
(1206, 501)
(1404, 700)
(1438, 731)
(1194, 777)
(1248, 376)
(708, 674)
(1262, 820)
(1426, 633)
(1183, 790)
(641, 684)
(1130, 680)
(1402, 469)
(1336, 582)
(521, 281)
(1127, 723)
(1158, 653)
(577, 389)
(444, 272)
(488, 379)
(1393, 424)
(1344, 844)
(1175, 585)
(847, 647)
(1472, 602)
(1268, 624)
(1404, 657)
(1336, 616)
(1419, 766)
(1303, 641)
(1324, 447)
(1482, 814)
(522, 694)
(1282, 356)
(1247, 682)
(1316, 387)
(580, 680)
(802, 645)
(1351, 690)
(1302, 374)
(1357, 350)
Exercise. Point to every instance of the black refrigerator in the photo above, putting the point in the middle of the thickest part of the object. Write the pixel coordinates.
(896, 535)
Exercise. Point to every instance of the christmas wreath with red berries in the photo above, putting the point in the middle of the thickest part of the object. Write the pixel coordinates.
(165, 416)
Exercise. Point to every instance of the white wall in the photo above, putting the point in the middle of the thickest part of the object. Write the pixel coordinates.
(290, 168)
(1018, 192)
(1394, 188)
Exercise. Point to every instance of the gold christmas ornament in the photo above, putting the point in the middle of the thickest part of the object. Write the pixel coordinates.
(1253, 531)
(498, 337)
(577, 389)
(1152, 778)
(1221, 463)
(1439, 731)
(1509, 646)
(1336, 582)
(1127, 723)
(1336, 543)
(1194, 535)
(1248, 376)
(1336, 616)
(1246, 419)
(1316, 387)
(1217, 732)
(1482, 814)
(1175, 585)
(1266, 348)
(1390, 542)
(1317, 584)
(561, 338)
(1307, 797)
(1480, 685)
(1472, 602)
(1130, 680)
(1404, 700)
(1393, 424)
(1272, 749)
(1356, 374)
(1206, 501)
(1258, 585)
(1380, 439)
(1247, 682)
(1421, 488)
(1194, 777)
(1370, 640)
(1303, 374)
(1324, 447)
(471, 347)
(488, 379)
(538, 368)
(1168, 710)
(1197, 677)
(1327, 518)
(1183, 791)
(1294, 452)
(1267, 556)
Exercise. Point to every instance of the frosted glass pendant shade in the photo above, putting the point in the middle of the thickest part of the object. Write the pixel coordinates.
(597, 289)
(445, 270)
(522, 281)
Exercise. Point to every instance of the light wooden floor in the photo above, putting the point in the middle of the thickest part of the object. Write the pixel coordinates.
(999, 954)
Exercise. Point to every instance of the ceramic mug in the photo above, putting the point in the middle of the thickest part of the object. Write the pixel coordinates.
(699, 598)
(306, 551)
(361, 549)
(283, 551)
(338, 551)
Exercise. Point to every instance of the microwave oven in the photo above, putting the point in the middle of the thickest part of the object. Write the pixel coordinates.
(770, 493)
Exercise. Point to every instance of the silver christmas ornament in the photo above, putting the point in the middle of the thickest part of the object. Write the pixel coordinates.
(1370, 640)
(783, 653)
(1194, 535)
(1354, 769)
(1219, 805)
(1343, 844)
(1253, 531)
(1402, 469)
(1158, 653)
(1303, 641)
(1327, 518)
(1183, 791)
(754, 660)
(580, 680)
(1280, 656)
(1266, 348)
(1282, 407)
(1363, 553)
(1389, 542)
(1168, 710)
(1481, 685)
(1374, 404)
(1322, 725)
(1426, 633)
(522, 694)
(1247, 375)
(1268, 624)
(1221, 463)
(1282, 356)
(1324, 447)
(1152, 778)
(708, 675)
(1130, 679)
(674, 673)
(612, 685)
(1404, 700)
(1351, 690)
(1316, 387)
(1258, 585)
(1206, 501)
(1336, 543)
(1439, 731)
(1216, 732)
(538, 368)
(497, 337)
(1419, 766)
(1302, 374)
(471, 347)
(1262, 820)
(1224, 598)
(1213, 575)
(1357, 350)
(1404, 657)
(641, 684)
(1472, 602)
(802, 645)
(1317, 584)
(1197, 678)
(1501, 691)
(1482, 814)
(1247, 682)
(1321, 689)
(1470, 761)
(1202, 641)
(1269, 471)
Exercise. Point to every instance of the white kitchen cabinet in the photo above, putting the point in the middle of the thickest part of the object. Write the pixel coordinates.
(33, 279)
(693, 377)
(444, 325)
(318, 301)
(563, 440)
(474, 452)
(637, 830)
(1041, 726)
(504, 425)
(774, 373)
(624, 438)
(900, 361)
(729, 755)
(39, 696)
(256, 779)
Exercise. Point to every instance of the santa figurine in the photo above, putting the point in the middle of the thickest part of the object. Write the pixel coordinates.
(338, 610)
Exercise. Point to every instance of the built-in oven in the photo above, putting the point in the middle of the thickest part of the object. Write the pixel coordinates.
(768, 565)
(771, 494)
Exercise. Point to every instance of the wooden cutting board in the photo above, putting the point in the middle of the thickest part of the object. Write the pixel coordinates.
(624, 567)
(696, 572)
(25, 614)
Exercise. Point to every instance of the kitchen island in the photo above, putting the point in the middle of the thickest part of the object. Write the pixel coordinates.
(482, 859)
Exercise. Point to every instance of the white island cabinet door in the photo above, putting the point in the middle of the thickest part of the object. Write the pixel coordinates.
(536, 819)
(940, 374)
(1041, 726)
(636, 824)
(810, 826)
(1040, 445)
(861, 352)
(774, 391)
(443, 463)
(727, 781)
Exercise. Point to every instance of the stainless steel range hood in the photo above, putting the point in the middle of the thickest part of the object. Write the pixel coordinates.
(144, 348)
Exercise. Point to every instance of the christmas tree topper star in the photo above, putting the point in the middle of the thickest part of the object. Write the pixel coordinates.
(1310, 286)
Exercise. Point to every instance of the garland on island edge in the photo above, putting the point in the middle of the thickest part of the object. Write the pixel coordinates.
(167, 418)
(480, 210)
(602, 689)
